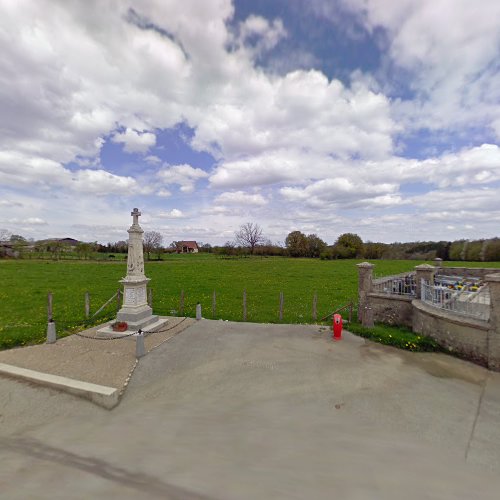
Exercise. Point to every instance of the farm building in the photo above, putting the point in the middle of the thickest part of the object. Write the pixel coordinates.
(187, 247)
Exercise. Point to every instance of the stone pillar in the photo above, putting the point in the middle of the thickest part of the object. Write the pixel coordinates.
(424, 272)
(365, 282)
(438, 263)
(493, 282)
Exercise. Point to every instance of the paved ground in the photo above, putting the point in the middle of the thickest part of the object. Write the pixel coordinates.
(108, 362)
(244, 411)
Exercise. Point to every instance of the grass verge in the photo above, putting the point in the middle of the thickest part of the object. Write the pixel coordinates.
(396, 336)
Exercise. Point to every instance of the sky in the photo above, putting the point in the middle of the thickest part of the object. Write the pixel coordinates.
(376, 117)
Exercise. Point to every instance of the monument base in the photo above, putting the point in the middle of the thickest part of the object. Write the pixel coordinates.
(153, 324)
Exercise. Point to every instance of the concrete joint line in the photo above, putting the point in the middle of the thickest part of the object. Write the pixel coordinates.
(171, 337)
(478, 411)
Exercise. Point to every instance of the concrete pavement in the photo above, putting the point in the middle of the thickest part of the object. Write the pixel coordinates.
(86, 364)
(236, 410)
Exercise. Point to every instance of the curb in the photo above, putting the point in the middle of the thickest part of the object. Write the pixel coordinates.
(107, 397)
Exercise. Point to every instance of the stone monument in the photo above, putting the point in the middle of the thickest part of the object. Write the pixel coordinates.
(135, 310)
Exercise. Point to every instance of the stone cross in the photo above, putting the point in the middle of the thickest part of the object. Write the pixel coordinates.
(135, 214)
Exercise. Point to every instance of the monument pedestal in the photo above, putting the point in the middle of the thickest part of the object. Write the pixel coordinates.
(135, 310)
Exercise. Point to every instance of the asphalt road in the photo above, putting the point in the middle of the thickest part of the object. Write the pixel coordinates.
(244, 411)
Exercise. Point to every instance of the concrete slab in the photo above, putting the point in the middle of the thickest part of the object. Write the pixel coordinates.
(99, 394)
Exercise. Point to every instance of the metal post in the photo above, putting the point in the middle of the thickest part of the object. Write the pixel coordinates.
(51, 332)
(214, 303)
(282, 300)
(315, 307)
(49, 306)
(198, 311)
(181, 305)
(140, 349)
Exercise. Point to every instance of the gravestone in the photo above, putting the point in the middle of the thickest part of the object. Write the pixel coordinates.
(135, 310)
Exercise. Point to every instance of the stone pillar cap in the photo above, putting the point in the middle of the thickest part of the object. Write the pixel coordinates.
(365, 264)
(424, 267)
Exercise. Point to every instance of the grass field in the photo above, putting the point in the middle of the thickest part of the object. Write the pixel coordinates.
(25, 284)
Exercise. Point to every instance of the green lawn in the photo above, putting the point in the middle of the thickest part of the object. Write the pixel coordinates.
(25, 284)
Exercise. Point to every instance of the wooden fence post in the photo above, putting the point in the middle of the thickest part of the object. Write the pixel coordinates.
(49, 306)
(282, 300)
(87, 305)
(213, 304)
(244, 305)
(315, 307)
(181, 305)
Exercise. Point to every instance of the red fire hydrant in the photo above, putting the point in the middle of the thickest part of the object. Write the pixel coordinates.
(337, 327)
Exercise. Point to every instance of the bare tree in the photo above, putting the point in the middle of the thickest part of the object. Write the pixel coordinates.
(249, 235)
(152, 242)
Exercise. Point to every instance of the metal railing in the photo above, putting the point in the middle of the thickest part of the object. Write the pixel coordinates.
(402, 284)
(474, 304)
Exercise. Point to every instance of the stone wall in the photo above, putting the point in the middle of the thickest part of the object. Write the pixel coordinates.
(472, 338)
(391, 309)
(466, 336)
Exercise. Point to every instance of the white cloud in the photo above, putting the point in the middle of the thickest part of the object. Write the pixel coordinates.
(241, 198)
(183, 175)
(303, 110)
(10, 203)
(154, 160)
(135, 141)
(20, 170)
(173, 214)
(257, 34)
(30, 221)
(163, 193)
(450, 49)
(341, 191)
(100, 182)
(459, 202)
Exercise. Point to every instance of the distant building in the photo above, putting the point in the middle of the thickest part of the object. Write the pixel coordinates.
(187, 247)
(67, 242)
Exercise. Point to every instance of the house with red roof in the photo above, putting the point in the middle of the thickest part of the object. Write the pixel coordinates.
(187, 247)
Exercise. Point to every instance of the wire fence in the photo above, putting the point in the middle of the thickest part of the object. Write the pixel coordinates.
(73, 316)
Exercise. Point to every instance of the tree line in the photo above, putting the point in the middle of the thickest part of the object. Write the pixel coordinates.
(249, 239)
